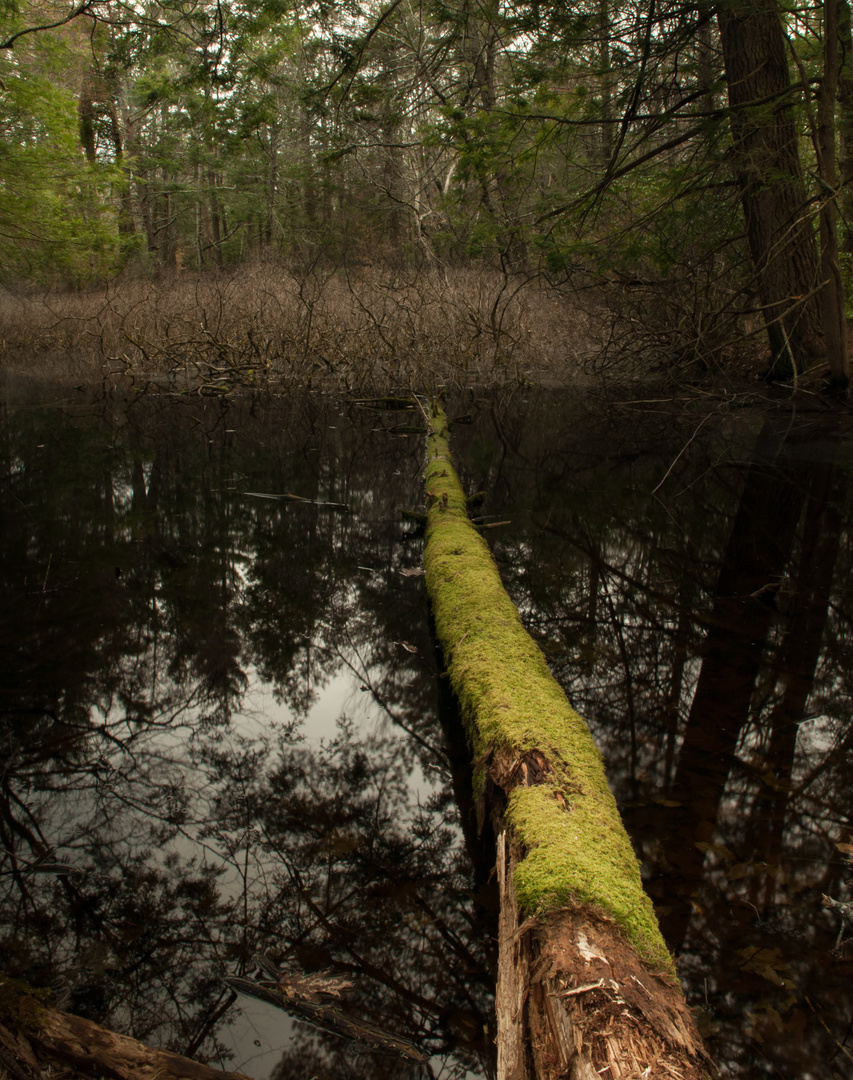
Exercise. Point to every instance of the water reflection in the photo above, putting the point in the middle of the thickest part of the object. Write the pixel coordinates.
(224, 713)
(220, 710)
(704, 631)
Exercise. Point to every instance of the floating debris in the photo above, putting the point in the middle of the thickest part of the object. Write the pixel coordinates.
(387, 404)
(300, 995)
(298, 500)
(844, 912)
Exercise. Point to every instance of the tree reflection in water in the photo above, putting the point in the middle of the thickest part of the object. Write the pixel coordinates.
(169, 641)
(705, 633)
(212, 711)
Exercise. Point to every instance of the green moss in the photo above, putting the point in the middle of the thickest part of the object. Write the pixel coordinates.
(577, 847)
(21, 1005)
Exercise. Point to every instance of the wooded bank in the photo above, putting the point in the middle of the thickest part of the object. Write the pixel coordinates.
(586, 985)
(694, 164)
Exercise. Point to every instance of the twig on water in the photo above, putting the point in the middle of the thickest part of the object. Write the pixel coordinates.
(680, 452)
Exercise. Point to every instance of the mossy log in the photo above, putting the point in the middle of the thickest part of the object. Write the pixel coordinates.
(37, 1040)
(586, 986)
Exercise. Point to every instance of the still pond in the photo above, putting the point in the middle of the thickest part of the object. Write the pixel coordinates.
(223, 715)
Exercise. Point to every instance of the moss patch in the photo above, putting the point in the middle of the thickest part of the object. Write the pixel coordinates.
(20, 1005)
(577, 847)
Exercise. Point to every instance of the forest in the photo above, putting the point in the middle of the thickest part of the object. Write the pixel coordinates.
(363, 190)
(381, 382)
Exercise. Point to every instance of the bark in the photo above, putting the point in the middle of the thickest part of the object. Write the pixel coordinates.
(845, 123)
(605, 34)
(86, 113)
(496, 197)
(126, 225)
(585, 983)
(832, 292)
(272, 186)
(139, 197)
(215, 218)
(37, 1039)
(573, 1001)
(769, 175)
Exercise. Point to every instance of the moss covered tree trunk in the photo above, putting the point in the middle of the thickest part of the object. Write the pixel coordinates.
(586, 987)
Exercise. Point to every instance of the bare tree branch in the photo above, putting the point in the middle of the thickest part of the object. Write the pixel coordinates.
(80, 9)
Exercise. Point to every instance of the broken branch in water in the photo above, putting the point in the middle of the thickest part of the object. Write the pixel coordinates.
(298, 499)
(298, 995)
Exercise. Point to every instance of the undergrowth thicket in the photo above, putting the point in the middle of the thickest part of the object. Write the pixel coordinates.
(270, 323)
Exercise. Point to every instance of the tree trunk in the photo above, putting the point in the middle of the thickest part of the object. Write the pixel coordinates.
(574, 1001)
(778, 221)
(86, 113)
(832, 293)
(585, 981)
(37, 1039)
(215, 218)
(845, 123)
(605, 34)
(126, 225)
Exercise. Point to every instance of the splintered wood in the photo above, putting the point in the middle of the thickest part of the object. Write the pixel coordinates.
(575, 1003)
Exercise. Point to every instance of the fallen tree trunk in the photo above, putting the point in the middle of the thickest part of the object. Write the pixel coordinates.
(586, 986)
(37, 1039)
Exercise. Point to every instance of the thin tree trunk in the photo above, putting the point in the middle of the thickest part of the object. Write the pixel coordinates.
(126, 224)
(215, 219)
(604, 30)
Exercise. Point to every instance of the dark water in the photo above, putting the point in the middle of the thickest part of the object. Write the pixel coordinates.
(224, 711)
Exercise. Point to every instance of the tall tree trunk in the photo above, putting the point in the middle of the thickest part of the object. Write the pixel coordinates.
(272, 186)
(605, 34)
(86, 113)
(126, 224)
(483, 45)
(832, 293)
(778, 223)
(845, 123)
(215, 219)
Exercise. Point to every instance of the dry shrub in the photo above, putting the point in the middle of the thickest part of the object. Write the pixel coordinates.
(687, 326)
(274, 324)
